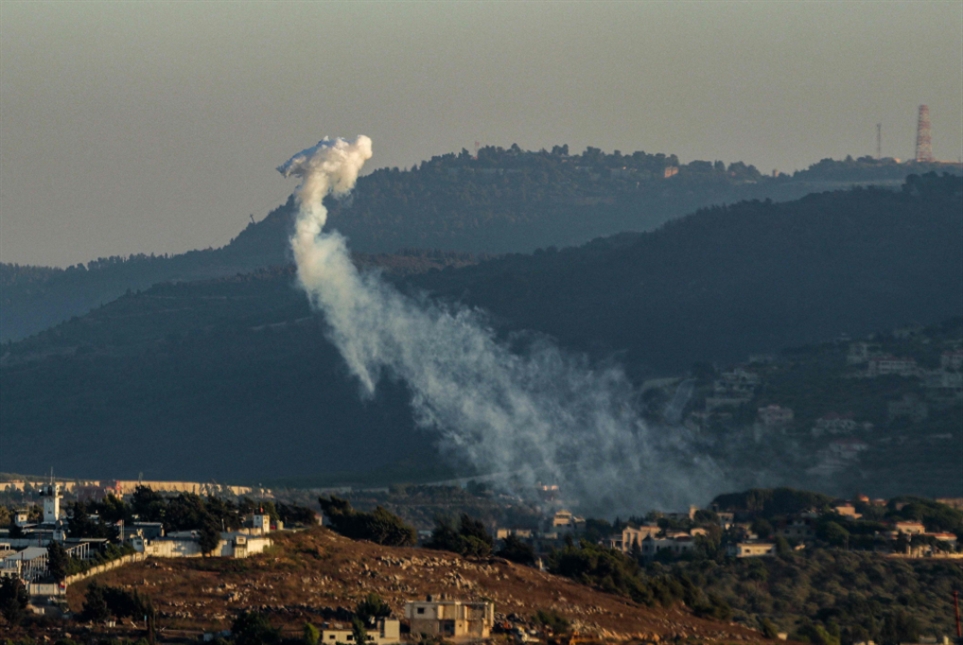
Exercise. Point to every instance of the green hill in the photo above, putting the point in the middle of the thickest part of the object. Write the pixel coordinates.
(502, 201)
(233, 379)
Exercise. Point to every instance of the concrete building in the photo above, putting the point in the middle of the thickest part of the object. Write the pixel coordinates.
(451, 619)
(751, 549)
(835, 424)
(386, 632)
(623, 541)
(910, 528)
(185, 544)
(884, 365)
(800, 529)
(564, 521)
(676, 546)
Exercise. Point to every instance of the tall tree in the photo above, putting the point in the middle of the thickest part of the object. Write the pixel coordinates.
(13, 599)
(58, 560)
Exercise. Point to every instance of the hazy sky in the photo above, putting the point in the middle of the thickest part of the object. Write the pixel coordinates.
(155, 127)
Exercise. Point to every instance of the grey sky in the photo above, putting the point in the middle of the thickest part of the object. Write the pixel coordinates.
(155, 127)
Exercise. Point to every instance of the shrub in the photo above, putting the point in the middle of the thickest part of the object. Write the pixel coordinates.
(253, 628)
(372, 608)
(553, 620)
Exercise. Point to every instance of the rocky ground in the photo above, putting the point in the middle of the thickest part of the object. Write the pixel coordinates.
(308, 575)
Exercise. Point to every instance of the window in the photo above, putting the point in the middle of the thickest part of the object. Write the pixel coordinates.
(421, 610)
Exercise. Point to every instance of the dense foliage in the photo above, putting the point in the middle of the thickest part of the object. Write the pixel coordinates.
(469, 537)
(379, 526)
(104, 601)
(770, 502)
(13, 599)
(853, 596)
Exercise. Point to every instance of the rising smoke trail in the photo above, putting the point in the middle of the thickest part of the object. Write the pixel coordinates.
(541, 415)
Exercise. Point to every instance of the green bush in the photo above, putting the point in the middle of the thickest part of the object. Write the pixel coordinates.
(253, 628)
(552, 620)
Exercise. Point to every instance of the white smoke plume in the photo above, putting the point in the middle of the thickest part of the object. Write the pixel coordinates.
(540, 415)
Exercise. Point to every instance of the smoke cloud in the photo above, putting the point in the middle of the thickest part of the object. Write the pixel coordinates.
(536, 414)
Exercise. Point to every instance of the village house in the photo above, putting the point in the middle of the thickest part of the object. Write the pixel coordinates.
(798, 529)
(386, 632)
(910, 528)
(651, 546)
(725, 518)
(564, 521)
(631, 535)
(450, 619)
(887, 365)
(834, 424)
(847, 510)
(186, 544)
(751, 549)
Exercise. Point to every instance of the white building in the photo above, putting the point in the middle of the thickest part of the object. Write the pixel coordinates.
(186, 544)
(51, 494)
(884, 365)
(835, 424)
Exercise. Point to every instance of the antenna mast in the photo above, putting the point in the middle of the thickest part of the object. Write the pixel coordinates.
(924, 146)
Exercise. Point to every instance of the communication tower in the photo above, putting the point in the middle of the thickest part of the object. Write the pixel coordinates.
(879, 141)
(924, 146)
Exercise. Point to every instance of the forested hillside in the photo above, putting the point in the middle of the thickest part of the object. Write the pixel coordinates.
(233, 378)
(502, 201)
(733, 280)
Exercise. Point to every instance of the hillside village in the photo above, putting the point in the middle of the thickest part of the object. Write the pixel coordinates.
(56, 546)
(834, 412)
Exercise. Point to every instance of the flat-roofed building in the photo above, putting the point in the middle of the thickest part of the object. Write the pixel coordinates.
(450, 619)
(751, 549)
(386, 632)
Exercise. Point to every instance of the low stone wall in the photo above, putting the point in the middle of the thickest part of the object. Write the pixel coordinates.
(107, 566)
